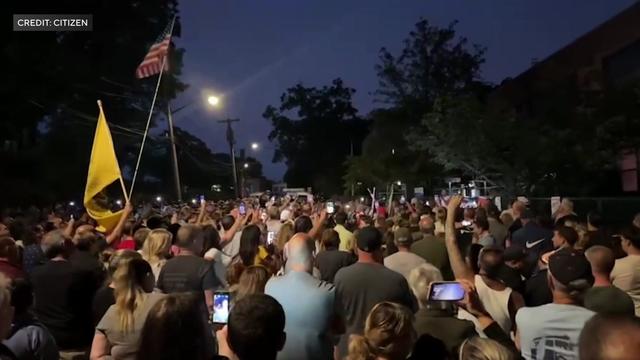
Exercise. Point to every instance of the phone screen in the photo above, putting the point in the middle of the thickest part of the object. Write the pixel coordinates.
(446, 291)
(201, 197)
(330, 207)
(221, 307)
(271, 237)
(242, 209)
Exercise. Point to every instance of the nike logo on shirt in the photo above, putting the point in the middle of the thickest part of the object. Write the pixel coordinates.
(532, 244)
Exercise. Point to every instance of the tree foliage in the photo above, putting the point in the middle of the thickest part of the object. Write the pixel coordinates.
(314, 130)
(434, 62)
(54, 82)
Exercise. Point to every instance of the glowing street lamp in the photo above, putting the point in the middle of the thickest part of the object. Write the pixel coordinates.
(213, 100)
(255, 146)
(159, 199)
(246, 165)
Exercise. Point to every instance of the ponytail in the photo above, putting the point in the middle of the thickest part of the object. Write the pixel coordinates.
(360, 349)
(129, 291)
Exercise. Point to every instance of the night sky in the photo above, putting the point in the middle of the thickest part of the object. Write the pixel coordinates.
(251, 51)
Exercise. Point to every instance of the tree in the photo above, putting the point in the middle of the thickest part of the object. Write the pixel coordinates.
(315, 130)
(433, 63)
(53, 85)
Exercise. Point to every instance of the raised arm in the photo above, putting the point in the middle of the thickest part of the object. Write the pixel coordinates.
(203, 210)
(229, 234)
(318, 224)
(68, 231)
(459, 267)
(117, 231)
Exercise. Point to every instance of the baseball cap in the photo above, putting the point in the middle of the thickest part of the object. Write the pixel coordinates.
(514, 253)
(402, 236)
(571, 268)
(368, 239)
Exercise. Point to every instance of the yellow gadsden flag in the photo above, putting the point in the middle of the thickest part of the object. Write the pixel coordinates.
(103, 171)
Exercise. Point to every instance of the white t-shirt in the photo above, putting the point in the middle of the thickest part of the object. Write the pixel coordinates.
(220, 263)
(626, 276)
(403, 262)
(233, 247)
(495, 302)
(551, 331)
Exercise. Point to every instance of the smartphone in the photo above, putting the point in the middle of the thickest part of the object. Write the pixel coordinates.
(201, 198)
(403, 199)
(466, 223)
(271, 237)
(242, 209)
(221, 303)
(330, 207)
(446, 291)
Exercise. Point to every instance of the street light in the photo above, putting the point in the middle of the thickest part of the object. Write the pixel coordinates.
(255, 146)
(159, 199)
(213, 100)
(246, 165)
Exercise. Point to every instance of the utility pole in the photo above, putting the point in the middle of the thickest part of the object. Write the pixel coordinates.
(231, 140)
(174, 155)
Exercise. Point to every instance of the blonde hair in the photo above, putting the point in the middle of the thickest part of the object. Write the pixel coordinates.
(388, 333)
(252, 281)
(157, 245)
(420, 279)
(285, 233)
(128, 282)
(477, 348)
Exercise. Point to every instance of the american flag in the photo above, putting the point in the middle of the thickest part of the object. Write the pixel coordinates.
(152, 62)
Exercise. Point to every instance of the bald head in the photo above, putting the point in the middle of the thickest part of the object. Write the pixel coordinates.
(601, 258)
(300, 253)
(610, 338)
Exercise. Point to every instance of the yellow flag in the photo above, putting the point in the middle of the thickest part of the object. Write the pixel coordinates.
(103, 171)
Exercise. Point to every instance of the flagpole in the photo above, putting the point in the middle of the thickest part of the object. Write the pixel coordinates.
(153, 103)
(124, 188)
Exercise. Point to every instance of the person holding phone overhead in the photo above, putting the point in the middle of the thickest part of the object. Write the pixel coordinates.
(437, 318)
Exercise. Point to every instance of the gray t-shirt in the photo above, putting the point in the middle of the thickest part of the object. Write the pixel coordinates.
(551, 331)
(125, 345)
(609, 300)
(309, 308)
(403, 262)
(360, 287)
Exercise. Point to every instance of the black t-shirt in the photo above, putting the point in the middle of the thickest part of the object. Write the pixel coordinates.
(63, 295)
(360, 287)
(85, 261)
(537, 290)
(598, 237)
(105, 297)
(187, 273)
(330, 261)
(515, 226)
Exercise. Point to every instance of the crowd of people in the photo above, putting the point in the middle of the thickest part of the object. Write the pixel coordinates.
(348, 281)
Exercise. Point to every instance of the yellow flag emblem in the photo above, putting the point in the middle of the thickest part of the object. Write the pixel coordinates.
(103, 171)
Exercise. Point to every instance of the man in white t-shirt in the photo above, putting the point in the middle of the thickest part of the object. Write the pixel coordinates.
(626, 272)
(404, 260)
(552, 331)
